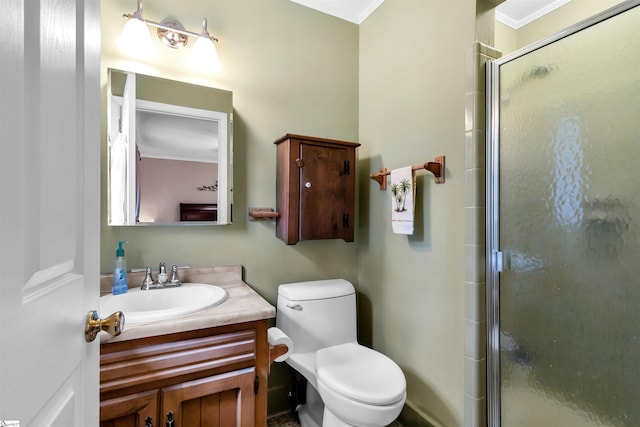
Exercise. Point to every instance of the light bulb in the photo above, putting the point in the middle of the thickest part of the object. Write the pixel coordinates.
(135, 38)
(204, 56)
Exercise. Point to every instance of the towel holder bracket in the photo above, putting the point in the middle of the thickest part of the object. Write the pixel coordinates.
(437, 168)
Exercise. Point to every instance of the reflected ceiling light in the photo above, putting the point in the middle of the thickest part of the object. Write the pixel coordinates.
(172, 34)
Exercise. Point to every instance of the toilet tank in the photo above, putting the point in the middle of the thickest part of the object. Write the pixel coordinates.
(317, 314)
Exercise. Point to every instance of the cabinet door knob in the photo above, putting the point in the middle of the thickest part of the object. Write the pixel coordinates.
(307, 184)
(148, 422)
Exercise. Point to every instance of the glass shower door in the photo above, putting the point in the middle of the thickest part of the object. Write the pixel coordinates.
(564, 199)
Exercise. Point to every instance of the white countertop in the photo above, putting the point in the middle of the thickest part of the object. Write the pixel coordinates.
(242, 305)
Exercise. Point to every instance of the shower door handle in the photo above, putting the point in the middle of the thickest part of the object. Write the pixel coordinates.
(502, 261)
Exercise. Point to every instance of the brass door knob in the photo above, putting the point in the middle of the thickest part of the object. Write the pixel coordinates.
(113, 325)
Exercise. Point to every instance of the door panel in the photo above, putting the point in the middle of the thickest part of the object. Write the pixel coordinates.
(49, 221)
(569, 209)
(323, 188)
(131, 410)
(225, 400)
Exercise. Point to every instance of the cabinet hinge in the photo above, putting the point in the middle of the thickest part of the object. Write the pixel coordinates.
(256, 384)
(347, 167)
(345, 220)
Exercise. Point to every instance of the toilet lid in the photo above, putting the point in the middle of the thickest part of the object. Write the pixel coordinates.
(360, 374)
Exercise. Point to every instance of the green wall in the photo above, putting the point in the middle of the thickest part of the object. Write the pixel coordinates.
(291, 70)
(412, 103)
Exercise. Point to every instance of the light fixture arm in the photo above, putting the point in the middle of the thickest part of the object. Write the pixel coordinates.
(138, 14)
(204, 32)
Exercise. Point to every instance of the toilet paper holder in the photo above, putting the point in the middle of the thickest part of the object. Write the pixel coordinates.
(276, 351)
(280, 345)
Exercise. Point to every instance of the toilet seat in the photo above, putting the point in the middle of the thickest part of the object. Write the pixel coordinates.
(360, 374)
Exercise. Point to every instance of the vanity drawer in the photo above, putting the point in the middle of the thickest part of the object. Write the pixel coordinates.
(143, 364)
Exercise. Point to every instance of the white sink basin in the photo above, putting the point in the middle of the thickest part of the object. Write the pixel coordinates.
(153, 305)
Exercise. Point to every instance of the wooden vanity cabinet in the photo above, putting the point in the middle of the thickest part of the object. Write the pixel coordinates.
(315, 188)
(130, 410)
(210, 377)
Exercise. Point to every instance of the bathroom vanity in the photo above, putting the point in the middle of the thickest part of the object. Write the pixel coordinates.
(205, 369)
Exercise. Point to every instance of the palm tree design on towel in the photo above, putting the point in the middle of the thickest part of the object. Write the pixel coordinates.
(399, 192)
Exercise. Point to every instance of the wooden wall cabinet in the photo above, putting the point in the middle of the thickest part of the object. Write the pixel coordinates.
(205, 378)
(315, 188)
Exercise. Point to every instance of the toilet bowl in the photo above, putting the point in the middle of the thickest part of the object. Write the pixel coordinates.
(360, 386)
(347, 384)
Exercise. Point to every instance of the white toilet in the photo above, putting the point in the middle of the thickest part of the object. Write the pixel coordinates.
(347, 384)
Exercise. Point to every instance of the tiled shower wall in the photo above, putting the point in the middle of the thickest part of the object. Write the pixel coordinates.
(475, 348)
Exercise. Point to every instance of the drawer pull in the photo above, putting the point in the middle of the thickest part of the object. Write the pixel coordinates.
(148, 422)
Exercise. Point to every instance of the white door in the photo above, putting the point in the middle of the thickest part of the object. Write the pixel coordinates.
(128, 120)
(123, 153)
(49, 210)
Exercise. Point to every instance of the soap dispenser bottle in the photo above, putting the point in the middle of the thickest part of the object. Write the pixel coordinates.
(120, 283)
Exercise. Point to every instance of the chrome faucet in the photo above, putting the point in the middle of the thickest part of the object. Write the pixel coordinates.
(148, 282)
(175, 280)
(163, 280)
(162, 275)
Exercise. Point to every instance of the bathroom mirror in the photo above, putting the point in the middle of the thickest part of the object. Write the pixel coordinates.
(169, 152)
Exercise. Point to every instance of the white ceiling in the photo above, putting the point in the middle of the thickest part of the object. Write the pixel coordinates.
(518, 13)
(514, 13)
(354, 11)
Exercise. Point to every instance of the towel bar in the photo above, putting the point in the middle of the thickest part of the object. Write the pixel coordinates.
(436, 168)
(262, 214)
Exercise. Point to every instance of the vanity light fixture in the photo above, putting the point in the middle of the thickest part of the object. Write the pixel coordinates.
(172, 34)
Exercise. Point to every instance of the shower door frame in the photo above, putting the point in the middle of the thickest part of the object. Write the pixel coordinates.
(494, 258)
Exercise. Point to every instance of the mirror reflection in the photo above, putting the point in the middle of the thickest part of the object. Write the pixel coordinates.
(170, 152)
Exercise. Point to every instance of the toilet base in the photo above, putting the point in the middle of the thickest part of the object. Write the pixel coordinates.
(330, 420)
(311, 413)
(314, 414)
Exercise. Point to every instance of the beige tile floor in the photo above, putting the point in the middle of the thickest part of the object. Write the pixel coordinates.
(283, 420)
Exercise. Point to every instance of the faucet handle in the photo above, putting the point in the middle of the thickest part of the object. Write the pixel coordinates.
(162, 274)
(148, 279)
(175, 281)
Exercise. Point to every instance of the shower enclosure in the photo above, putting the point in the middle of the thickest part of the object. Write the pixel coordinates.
(563, 237)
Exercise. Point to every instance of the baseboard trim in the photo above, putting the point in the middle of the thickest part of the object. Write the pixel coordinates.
(411, 416)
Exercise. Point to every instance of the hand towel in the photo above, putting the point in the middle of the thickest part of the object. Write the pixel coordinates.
(403, 190)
